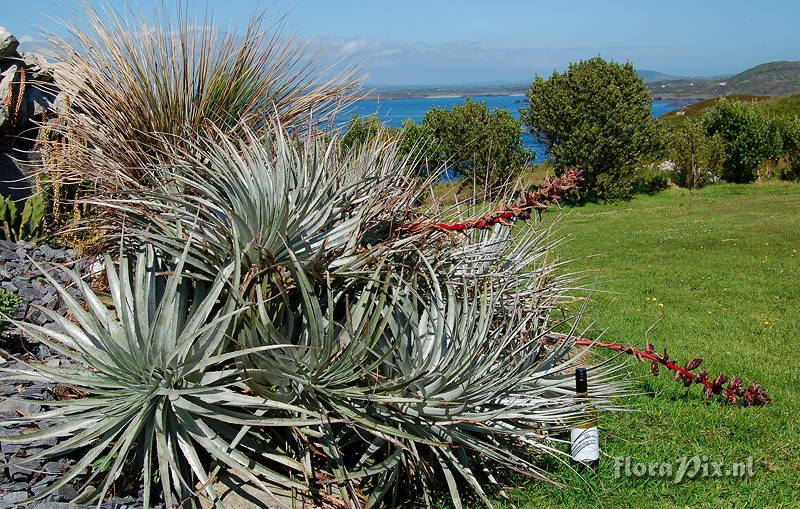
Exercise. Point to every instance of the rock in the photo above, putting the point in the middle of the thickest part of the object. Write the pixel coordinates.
(12, 499)
(18, 407)
(43, 352)
(14, 486)
(38, 67)
(8, 44)
(55, 505)
(67, 492)
(54, 467)
(10, 448)
(43, 483)
(29, 294)
(20, 472)
(39, 103)
(7, 78)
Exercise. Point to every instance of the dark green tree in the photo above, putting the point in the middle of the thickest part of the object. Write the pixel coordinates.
(595, 117)
(361, 129)
(790, 133)
(472, 141)
(751, 137)
(419, 145)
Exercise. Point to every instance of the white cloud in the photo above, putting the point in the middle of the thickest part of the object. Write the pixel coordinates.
(421, 63)
(26, 38)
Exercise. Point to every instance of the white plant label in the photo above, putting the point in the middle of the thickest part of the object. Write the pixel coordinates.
(585, 444)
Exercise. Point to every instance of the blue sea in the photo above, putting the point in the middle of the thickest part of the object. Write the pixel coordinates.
(394, 111)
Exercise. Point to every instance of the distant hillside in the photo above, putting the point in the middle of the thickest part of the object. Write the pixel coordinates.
(412, 92)
(776, 78)
(653, 76)
(773, 79)
(699, 108)
(786, 107)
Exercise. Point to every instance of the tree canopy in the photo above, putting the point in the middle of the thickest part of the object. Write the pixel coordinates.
(596, 117)
(472, 141)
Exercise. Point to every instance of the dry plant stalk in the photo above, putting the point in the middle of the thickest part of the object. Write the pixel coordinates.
(141, 88)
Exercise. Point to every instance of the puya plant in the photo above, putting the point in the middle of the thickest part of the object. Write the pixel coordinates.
(436, 374)
(423, 349)
(285, 311)
(160, 393)
(273, 199)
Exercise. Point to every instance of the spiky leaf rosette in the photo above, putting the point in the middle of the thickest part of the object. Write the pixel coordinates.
(161, 392)
(423, 349)
(435, 374)
(272, 198)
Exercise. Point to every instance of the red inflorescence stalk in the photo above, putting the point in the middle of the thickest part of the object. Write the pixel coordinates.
(540, 199)
(537, 200)
(754, 395)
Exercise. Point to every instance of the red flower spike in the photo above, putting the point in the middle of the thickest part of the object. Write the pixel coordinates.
(734, 392)
(538, 200)
(694, 364)
(719, 382)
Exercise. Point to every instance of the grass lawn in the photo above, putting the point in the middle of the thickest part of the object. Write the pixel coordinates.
(723, 267)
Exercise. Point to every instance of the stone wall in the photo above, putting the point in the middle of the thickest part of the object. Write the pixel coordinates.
(28, 95)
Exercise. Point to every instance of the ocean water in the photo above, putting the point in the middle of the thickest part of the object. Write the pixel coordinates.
(394, 111)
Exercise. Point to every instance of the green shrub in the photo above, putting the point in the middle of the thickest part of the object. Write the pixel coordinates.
(790, 130)
(485, 147)
(419, 145)
(27, 226)
(697, 158)
(650, 181)
(595, 117)
(8, 303)
(361, 130)
(750, 138)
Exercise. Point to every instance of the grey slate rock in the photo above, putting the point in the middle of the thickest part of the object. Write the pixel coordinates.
(55, 505)
(54, 467)
(8, 44)
(67, 492)
(20, 472)
(13, 405)
(12, 499)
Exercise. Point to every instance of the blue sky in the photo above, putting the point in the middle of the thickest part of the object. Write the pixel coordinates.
(468, 41)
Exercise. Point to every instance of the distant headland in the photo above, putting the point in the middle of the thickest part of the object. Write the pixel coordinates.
(772, 79)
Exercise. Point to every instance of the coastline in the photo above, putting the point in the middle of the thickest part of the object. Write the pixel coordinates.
(460, 95)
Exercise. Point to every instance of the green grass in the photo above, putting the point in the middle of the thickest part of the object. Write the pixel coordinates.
(724, 263)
